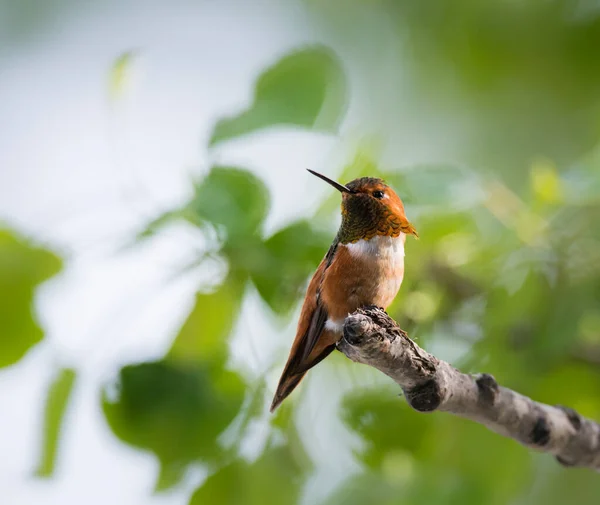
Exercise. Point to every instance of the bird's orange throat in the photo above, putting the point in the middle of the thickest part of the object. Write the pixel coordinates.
(391, 226)
(371, 220)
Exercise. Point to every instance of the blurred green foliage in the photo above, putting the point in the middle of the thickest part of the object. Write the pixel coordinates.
(203, 336)
(22, 267)
(120, 74)
(505, 278)
(176, 408)
(232, 198)
(507, 80)
(57, 401)
(285, 258)
(275, 478)
(175, 411)
(304, 89)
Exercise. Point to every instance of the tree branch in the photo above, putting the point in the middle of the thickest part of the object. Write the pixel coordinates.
(373, 338)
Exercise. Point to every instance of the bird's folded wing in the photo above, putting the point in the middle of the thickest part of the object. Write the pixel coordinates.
(312, 317)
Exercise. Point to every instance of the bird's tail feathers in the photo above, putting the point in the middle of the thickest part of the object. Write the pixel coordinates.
(293, 374)
(286, 385)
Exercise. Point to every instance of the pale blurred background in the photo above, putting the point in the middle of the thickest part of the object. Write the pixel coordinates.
(157, 230)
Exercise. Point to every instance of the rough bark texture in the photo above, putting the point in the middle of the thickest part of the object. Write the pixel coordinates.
(373, 338)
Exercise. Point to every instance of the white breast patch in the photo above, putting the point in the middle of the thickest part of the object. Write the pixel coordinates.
(387, 248)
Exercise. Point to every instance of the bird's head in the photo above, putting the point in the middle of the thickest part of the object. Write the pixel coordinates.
(370, 208)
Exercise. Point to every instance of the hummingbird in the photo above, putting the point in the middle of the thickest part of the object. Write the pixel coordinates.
(364, 266)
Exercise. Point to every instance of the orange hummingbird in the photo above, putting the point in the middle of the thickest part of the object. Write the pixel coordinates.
(364, 266)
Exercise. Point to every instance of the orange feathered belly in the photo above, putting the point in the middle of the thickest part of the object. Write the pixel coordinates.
(366, 273)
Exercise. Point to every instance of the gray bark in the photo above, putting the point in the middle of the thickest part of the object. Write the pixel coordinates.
(373, 338)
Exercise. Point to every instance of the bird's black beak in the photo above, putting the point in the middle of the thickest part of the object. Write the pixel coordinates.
(336, 185)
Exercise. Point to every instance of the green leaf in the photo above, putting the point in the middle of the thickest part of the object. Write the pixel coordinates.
(306, 88)
(174, 410)
(232, 198)
(289, 257)
(275, 478)
(57, 401)
(170, 474)
(203, 336)
(22, 267)
(120, 74)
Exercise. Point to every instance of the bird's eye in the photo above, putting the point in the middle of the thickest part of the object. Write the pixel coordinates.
(378, 194)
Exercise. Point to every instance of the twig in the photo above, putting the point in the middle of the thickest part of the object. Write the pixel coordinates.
(373, 338)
